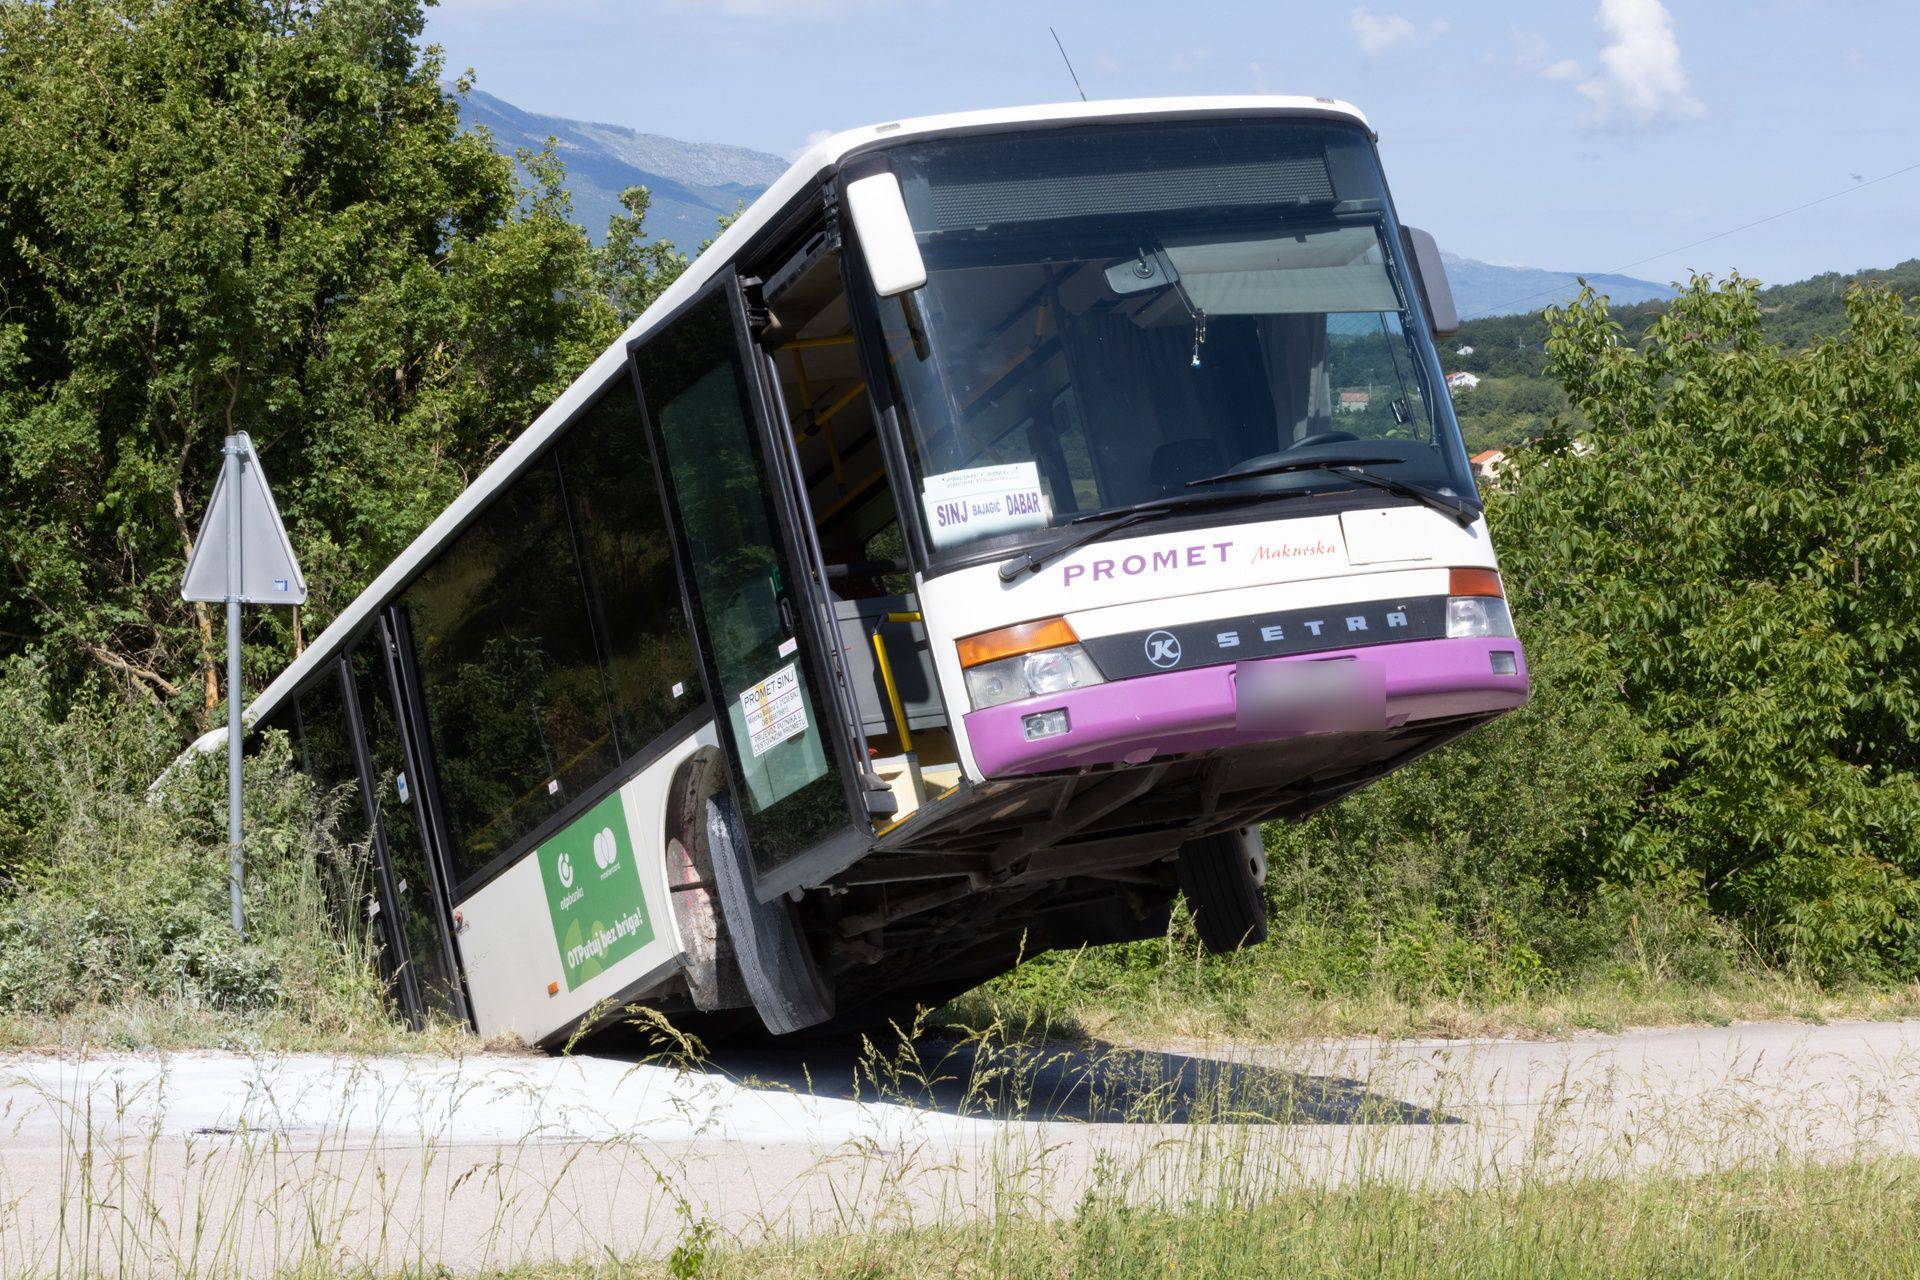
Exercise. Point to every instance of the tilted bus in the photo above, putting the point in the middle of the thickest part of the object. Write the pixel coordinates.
(1005, 517)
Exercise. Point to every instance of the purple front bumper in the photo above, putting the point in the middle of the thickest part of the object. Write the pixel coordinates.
(1133, 721)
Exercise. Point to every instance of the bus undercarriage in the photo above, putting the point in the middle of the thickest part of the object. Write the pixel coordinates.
(1003, 870)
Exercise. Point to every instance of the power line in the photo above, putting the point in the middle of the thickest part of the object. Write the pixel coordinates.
(1718, 235)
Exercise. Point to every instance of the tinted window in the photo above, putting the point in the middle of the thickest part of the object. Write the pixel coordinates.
(397, 796)
(323, 749)
(549, 636)
(633, 590)
(516, 698)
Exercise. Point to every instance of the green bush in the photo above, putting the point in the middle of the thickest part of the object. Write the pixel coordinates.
(119, 895)
(1734, 533)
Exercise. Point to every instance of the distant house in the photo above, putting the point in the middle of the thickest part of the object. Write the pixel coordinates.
(1354, 401)
(1462, 381)
(1487, 463)
(1464, 351)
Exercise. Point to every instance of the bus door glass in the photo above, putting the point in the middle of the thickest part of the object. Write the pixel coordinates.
(403, 831)
(328, 720)
(749, 607)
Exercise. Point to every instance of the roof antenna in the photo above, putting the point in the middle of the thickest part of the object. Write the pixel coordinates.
(1069, 61)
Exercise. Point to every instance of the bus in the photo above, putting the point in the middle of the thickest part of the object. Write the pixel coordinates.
(1006, 516)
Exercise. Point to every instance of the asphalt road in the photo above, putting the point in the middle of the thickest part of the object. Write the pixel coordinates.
(246, 1163)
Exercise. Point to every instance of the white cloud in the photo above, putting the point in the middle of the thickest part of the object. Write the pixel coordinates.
(1640, 81)
(1379, 32)
(1565, 69)
(1530, 48)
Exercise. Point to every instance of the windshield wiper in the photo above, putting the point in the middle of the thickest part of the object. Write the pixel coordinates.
(1354, 469)
(1465, 513)
(1122, 518)
(1277, 467)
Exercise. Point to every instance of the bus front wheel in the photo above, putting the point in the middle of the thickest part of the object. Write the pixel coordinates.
(1220, 878)
(763, 940)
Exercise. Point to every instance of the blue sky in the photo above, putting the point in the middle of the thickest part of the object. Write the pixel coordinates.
(1577, 136)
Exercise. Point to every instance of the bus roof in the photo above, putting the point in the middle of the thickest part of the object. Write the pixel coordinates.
(818, 160)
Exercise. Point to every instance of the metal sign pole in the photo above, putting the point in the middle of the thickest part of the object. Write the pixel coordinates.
(217, 572)
(231, 467)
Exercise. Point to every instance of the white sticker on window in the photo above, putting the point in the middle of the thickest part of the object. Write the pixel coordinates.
(981, 501)
(774, 710)
(788, 645)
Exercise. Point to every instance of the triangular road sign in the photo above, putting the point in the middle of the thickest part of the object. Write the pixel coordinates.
(268, 572)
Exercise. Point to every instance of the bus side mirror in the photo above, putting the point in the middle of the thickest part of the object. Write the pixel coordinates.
(885, 233)
(1430, 277)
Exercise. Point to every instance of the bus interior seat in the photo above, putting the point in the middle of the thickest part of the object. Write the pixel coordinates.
(821, 383)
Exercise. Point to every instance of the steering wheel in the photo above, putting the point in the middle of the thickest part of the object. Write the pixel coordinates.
(1321, 437)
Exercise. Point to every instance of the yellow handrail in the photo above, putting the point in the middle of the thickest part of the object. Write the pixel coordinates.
(886, 674)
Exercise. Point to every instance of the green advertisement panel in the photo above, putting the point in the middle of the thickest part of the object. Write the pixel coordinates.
(593, 892)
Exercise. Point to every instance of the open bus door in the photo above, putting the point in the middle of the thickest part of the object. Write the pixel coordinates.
(754, 600)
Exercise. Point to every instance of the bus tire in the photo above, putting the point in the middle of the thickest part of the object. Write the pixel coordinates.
(1220, 877)
(774, 956)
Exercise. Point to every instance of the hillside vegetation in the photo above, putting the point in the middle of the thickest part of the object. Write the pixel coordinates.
(1518, 395)
(266, 216)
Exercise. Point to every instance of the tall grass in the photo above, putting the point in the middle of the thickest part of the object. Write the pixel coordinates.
(1393, 976)
(113, 909)
(1790, 1221)
(984, 1155)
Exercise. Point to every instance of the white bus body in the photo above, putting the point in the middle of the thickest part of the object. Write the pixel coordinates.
(828, 644)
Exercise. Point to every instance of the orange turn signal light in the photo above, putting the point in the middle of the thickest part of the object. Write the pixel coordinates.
(1475, 582)
(1022, 637)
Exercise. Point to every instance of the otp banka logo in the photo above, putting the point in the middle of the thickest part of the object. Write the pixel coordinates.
(1163, 649)
(605, 851)
(564, 866)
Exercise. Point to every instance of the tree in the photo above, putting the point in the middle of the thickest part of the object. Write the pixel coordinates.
(1711, 564)
(1736, 529)
(630, 269)
(254, 215)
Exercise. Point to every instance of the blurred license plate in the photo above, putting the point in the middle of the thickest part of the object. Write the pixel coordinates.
(1310, 697)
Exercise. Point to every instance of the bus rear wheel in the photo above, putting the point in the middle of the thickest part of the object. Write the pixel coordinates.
(1220, 878)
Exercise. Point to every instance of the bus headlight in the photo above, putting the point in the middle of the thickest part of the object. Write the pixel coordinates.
(1469, 616)
(1030, 675)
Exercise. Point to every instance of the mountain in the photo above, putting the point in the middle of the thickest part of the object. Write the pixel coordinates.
(1486, 289)
(692, 182)
(695, 182)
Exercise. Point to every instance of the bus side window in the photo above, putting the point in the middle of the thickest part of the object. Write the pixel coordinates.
(633, 586)
(549, 636)
(509, 672)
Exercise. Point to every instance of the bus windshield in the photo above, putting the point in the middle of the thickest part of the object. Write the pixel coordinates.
(1112, 313)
